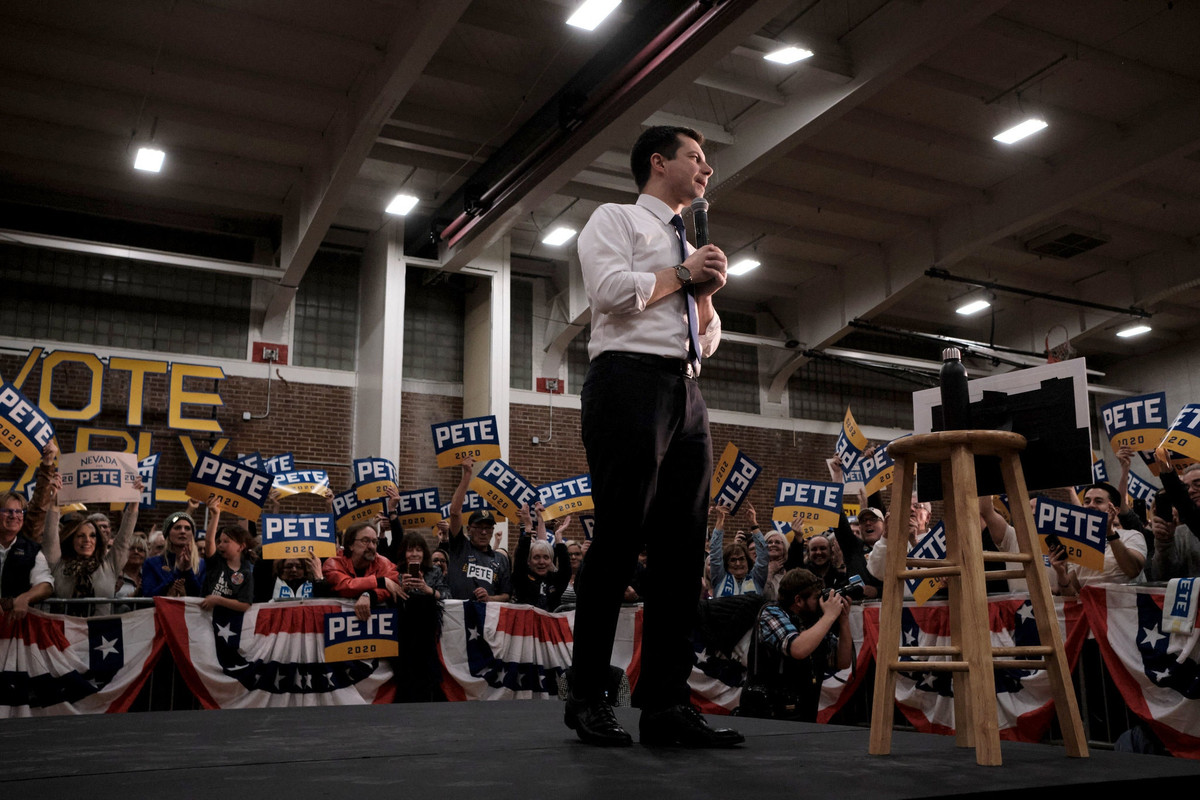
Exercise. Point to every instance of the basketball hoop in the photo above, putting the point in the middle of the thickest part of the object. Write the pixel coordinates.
(1059, 352)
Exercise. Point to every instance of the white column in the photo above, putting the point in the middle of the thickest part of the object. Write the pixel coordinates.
(380, 344)
(486, 341)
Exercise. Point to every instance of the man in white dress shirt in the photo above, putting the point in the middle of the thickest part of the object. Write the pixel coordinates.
(645, 429)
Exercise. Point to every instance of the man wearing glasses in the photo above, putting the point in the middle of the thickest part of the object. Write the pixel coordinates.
(24, 574)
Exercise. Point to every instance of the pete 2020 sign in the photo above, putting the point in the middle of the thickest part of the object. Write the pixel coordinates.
(732, 478)
(240, 490)
(298, 535)
(478, 437)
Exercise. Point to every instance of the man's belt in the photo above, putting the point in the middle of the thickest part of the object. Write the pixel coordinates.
(673, 366)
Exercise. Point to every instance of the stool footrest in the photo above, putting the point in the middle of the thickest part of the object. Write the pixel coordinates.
(929, 666)
(929, 572)
(931, 650)
(1020, 558)
(1026, 651)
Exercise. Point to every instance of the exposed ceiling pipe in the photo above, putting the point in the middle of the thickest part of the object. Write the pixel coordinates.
(942, 274)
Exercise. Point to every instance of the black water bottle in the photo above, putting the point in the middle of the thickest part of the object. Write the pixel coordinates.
(956, 401)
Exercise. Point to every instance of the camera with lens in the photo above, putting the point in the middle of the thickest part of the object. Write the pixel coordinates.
(852, 591)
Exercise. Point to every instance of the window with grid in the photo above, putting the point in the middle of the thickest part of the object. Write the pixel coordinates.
(821, 390)
(520, 372)
(730, 375)
(434, 315)
(99, 300)
(326, 329)
(577, 360)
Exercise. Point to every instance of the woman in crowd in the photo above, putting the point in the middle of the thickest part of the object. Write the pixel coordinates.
(418, 671)
(418, 575)
(777, 552)
(103, 526)
(82, 563)
(729, 567)
(129, 582)
(298, 578)
(179, 571)
(575, 553)
(536, 581)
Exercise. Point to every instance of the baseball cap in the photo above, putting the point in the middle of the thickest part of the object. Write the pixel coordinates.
(869, 512)
(482, 518)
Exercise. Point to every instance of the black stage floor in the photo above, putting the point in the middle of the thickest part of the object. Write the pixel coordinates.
(499, 750)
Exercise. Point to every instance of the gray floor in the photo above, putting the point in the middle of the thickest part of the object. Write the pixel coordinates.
(495, 750)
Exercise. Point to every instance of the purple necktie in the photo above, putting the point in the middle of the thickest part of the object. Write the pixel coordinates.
(690, 294)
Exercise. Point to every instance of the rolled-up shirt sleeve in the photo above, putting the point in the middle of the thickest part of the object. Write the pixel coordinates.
(711, 337)
(605, 247)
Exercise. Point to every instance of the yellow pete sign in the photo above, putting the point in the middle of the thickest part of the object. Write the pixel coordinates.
(241, 490)
(348, 509)
(348, 638)
(811, 506)
(24, 429)
(477, 437)
(303, 481)
(851, 442)
(503, 488)
(1183, 437)
(570, 496)
(373, 477)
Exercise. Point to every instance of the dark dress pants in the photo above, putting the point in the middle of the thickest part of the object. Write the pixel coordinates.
(645, 430)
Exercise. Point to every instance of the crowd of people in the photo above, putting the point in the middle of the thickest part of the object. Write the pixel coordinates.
(797, 589)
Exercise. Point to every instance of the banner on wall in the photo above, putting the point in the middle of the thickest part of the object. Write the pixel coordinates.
(811, 506)
(373, 477)
(570, 496)
(241, 490)
(478, 437)
(503, 487)
(348, 509)
(24, 428)
(298, 535)
(732, 478)
(98, 477)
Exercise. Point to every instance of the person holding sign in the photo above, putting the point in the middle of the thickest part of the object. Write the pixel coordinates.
(536, 581)
(24, 574)
(477, 572)
(179, 571)
(729, 567)
(1124, 550)
(645, 430)
(228, 572)
(80, 557)
(360, 572)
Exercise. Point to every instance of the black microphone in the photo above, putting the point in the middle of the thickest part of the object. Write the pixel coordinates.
(700, 219)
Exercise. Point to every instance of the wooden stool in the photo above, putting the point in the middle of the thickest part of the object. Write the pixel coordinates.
(971, 653)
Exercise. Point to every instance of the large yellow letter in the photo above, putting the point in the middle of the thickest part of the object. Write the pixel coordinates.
(179, 397)
(137, 368)
(92, 408)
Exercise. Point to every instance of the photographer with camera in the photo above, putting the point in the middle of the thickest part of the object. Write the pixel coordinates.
(799, 639)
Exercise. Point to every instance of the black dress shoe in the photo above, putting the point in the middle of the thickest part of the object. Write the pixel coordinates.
(682, 724)
(595, 723)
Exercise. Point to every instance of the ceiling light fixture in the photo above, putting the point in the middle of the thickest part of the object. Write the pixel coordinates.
(149, 160)
(1018, 132)
(1136, 329)
(592, 13)
(401, 204)
(743, 266)
(788, 55)
(559, 236)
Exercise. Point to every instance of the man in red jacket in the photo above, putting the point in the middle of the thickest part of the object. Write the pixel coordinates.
(361, 572)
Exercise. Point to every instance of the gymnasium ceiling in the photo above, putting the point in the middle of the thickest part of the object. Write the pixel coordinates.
(290, 124)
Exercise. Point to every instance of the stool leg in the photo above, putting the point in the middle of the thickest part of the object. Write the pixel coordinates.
(964, 545)
(891, 610)
(1066, 705)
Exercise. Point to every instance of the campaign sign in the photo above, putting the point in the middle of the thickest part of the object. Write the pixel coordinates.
(253, 460)
(1081, 530)
(1140, 490)
(304, 481)
(477, 437)
(1137, 422)
(879, 470)
(1184, 434)
(732, 478)
(240, 490)
(811, 506)
(1099, 471)
(589, 526)
(24, 429)
(373, 476)
(419, 509)
(932, 545)
(503, 487)
(472, 502)
(348, 509)
(851, 442)
(98, 476)
(297, 535)
(278, 464)
(148, 472)
(570, 496)
(347, 638)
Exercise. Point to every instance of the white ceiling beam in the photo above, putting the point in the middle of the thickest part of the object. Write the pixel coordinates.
(882, 49)
(742, 86)
(836, 205)
(810, 156)
(312, 206)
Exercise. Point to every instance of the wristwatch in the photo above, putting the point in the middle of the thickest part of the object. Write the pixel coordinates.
(683, 274)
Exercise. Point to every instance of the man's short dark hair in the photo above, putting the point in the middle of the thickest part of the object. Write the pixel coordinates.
(797, 582)
(661, 139)
(1108, 489)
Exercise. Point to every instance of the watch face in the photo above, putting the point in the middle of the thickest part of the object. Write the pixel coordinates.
(683, 273)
